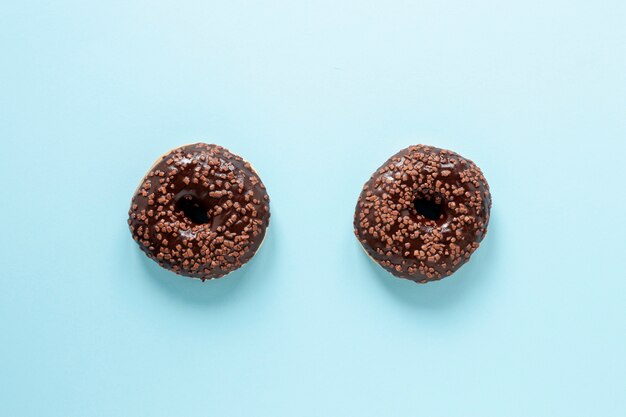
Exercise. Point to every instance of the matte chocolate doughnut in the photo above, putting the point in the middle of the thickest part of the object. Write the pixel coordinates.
(201, 211)
(423, 213)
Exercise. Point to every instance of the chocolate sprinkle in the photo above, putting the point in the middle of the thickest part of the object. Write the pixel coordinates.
(200, 212)
(423, 213)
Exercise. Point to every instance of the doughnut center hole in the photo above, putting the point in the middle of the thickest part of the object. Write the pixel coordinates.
(429, 207)
(193, 209)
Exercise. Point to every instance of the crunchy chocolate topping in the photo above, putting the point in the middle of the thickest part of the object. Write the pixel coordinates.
(423, 213)
(201, 211)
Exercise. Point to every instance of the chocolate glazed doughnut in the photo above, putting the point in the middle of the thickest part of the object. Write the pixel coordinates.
(423, 213)
(201, 211)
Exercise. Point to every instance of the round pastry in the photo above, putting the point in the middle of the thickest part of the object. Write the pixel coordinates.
(201, 211)
(423, 213)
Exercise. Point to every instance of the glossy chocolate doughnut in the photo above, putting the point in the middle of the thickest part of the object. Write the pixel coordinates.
(201, 211)
(423, 213)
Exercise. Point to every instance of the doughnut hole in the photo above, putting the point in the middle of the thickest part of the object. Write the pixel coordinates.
(430, 207)
(193, 209)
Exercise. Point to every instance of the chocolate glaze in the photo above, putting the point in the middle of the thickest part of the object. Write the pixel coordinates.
(423, 213)
(201, 211)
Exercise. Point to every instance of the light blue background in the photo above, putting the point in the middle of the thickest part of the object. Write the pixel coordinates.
(316, 95)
